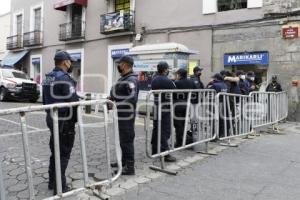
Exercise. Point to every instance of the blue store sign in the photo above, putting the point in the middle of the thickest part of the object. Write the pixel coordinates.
(248, 58)
(118, 53)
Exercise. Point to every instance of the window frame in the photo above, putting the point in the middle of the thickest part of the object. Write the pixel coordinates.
(32, 16)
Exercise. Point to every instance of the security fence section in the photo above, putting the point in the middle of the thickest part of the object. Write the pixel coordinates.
(181, 119)
(235, 115)
(54, 109)
(269, 108)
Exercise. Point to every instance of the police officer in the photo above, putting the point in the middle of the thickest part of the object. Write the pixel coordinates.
(125, 93)
(219, 85)
(180, 100)
(162, 82)
(196, 77)
(59, 87)
(251, 80)
(274, 86)
(243, 83)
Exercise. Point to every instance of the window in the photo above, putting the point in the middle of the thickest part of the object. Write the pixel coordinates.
(122, 5)
(19, 24)
(224, 5)
(37, 19)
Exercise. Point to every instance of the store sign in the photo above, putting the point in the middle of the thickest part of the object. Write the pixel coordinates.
(35, 61)
(76, 56)
(150, 65)
(118, 53)
(290, 33)
(252, 58)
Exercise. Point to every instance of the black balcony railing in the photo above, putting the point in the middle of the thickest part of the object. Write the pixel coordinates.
(33, 38)
(72, 31)
(122, 21)
(14, 42)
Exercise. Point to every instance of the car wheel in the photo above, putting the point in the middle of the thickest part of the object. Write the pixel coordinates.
(2, 94)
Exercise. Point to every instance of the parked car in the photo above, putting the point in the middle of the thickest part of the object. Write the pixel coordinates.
(16, 85)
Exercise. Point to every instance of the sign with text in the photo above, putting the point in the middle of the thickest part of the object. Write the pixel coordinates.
(247, 58)
(290, 33)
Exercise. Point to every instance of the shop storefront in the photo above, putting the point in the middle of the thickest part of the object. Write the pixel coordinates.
(258, 62)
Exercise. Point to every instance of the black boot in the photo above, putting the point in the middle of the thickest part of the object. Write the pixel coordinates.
(115, 165)
(128, 169)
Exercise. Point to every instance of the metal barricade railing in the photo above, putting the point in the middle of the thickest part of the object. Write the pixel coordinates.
(235, 113)
(269, 108)
(54, 110)
(174, 107)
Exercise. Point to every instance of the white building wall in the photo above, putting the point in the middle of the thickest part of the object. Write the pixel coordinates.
(4, 33)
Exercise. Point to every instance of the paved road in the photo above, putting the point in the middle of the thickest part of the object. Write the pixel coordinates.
(261, 169)
(11, 154)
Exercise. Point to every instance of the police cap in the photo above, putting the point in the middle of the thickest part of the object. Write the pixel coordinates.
(239, 72)
(126, 59)
(217, 76)
(63, 55)
(197, 68)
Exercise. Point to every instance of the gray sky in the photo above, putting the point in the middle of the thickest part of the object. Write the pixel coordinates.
(5, 6)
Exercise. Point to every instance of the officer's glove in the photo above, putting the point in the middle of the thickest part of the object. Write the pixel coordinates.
(109, 104)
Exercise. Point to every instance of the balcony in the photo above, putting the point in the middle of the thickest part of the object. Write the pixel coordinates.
(72, 31)
(33, 38)
(14, 42)
(117, 22)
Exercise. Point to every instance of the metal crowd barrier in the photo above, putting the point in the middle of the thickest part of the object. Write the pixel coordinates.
(269, 108)
(54, 109)
(200, 112)
(235, 113)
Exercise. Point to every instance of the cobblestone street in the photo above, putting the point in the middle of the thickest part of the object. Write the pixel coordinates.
(13, 159)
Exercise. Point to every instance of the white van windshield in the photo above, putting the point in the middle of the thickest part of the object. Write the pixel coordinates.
(13, 74)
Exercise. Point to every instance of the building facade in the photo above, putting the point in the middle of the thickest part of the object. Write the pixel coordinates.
(256, 35)
(4, 33)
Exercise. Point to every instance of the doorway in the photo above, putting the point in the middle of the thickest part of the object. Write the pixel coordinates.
(260, 71)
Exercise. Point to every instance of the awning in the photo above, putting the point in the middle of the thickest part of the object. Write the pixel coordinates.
(13, 58)
(62, 4)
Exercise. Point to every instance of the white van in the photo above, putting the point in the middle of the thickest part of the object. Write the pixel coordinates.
(16, 85)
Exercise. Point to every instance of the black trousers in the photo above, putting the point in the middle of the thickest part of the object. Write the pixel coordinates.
(66, 142)
(165, 132)
(127, 135)
(179, 123)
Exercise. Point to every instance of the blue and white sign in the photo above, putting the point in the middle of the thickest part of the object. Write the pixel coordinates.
(76, 56)
(248, 58)
(118, 53)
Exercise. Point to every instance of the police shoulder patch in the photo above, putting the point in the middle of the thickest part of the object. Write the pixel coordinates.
(72, 90)
(131, 85)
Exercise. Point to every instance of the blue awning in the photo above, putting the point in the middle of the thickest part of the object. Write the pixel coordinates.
(12, 58)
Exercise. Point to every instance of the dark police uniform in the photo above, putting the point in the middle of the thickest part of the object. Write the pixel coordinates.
(220, 86)
(274, 87)
(180, 109)
(244, 87)
(125, 93)
(197, 81)
(161, 82)
(59, 87)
